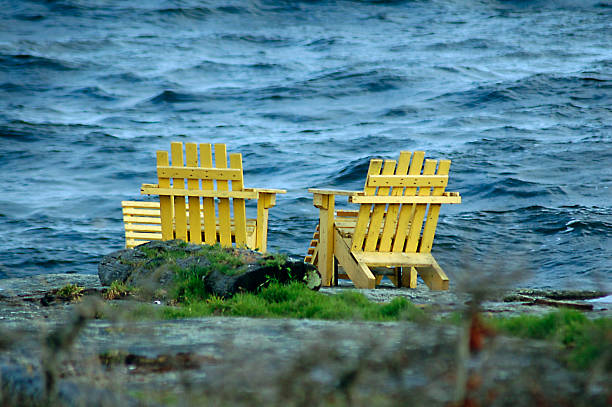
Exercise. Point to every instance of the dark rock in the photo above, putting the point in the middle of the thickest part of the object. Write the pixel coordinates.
(224, 285)
(152, 268)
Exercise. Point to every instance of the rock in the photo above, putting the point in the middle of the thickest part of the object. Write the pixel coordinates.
(224, 285)
(152, 268)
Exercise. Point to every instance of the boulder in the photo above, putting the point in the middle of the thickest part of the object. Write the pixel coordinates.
(152, 267)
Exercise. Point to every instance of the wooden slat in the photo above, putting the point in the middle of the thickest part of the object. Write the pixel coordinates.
(180, 211)
(225, 237)
(195, 223)
(358, 272)
(445, 199)
(198, 172)
(200, 193)
(208, 204)
(267, 190)
(239, 204)
(142, 212)
(419, 214)
(429, 230)
(407, 211)
(139, 204)
(379, 211)
(407, 181)
(326, 240)
(390, 227)
(332, 192)
(148, 236)
(139, 227)
(394, 259)
(142, 219)
(364, 210)
(165, 202)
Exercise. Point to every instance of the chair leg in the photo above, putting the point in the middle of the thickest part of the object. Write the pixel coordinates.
(434, 276)
(409, 277)
(358, 272)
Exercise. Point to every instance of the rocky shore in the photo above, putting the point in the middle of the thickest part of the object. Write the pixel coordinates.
(249, 361)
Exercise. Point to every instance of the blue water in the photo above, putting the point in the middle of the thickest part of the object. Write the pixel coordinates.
(517, 93)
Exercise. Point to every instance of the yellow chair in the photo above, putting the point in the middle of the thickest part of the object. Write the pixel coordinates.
(196, 201)
(392, 232)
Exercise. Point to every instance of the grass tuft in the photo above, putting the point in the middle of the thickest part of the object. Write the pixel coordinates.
(589, 341)
(70, 292)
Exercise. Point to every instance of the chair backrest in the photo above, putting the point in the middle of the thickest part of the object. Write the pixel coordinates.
(199, 191)
(391, 223)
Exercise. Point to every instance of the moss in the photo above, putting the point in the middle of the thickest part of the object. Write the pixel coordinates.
(70, 292)
(274, 260)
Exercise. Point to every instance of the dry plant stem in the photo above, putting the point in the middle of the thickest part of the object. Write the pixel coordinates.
(58, 342)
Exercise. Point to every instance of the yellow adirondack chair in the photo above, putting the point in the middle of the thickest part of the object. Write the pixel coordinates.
(196, 201)
(392, 232)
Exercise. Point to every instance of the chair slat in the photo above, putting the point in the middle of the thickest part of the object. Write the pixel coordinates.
(414, 233)
(379, 211)
(429, 230)
(363, 218)
(180, 211)
(390, 227)
(407, 211)
(192, 172)
(165, 202)
(225, 237)
(208, 204)
(407, 181)
(239, 204)
(195, 224)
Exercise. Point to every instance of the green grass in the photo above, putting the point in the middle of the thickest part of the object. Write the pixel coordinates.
(70, 292)
(295, 300)
(588, 341)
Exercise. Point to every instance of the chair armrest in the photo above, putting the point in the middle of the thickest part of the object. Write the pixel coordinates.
(267, 190)
(343, 192)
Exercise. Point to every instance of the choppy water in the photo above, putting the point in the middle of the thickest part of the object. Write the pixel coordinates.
(517, 93)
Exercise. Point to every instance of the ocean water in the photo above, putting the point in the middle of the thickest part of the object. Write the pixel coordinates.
(518, 94)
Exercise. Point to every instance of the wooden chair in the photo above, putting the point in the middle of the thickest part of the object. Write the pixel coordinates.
(196, 201)
(392, 232)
